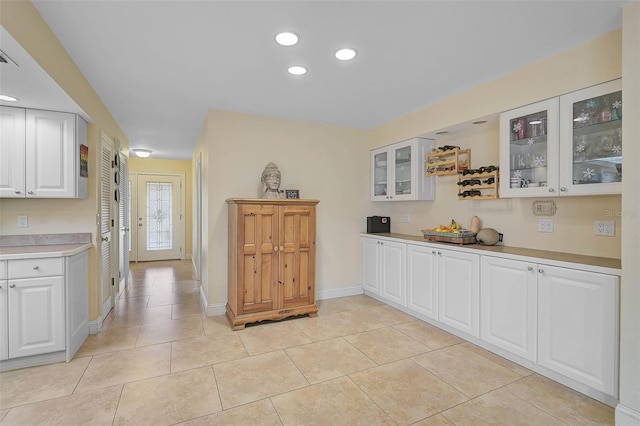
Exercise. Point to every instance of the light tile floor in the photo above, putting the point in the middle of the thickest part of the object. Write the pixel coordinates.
(159, 361)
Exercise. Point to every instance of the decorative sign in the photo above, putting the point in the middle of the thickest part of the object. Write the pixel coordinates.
(84, 161)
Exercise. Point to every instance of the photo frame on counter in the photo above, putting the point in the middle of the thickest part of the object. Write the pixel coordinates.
(292, 193)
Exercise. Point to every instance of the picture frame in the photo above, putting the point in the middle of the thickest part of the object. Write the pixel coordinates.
(292, 193)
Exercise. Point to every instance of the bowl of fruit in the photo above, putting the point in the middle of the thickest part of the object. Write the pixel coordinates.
(452, 233)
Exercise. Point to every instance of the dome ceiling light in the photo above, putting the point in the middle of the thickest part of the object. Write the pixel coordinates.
(297, 70)
(8, 98)
(142, 153)
(287, 38)
(346, 54)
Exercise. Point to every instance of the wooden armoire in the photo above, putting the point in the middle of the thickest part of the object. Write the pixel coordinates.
(272, 247)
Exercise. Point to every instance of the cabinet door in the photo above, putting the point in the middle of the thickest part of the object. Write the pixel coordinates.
(257, 258)
(422, 280)
(403, 160)
(508, 305)
(50, 154)
(380, 170)
(591, 131)
(36, 316)
(578, 326)
(12, 139)
(296, 256)
(529, 150)
(393, 271)
(371, 265)
(4, 326)
(459, 290)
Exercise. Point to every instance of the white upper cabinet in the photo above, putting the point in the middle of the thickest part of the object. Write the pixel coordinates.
(398, 172)
(45, 150)
(568, 145)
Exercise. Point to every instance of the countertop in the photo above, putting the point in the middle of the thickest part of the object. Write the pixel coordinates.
(598, 264)
(43, 245)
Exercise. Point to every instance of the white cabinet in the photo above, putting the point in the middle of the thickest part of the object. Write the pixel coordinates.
(43, 307)
(508, 305)
(578, 326)
(45, 152)
(459, 290)
(422, 280)
(384, 269)
(567, 145)
(398, 171)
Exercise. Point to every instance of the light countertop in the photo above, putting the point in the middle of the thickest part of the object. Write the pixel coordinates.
(51, 250)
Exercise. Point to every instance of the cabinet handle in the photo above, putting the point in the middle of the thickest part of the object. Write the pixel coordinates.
(433, 252)
(552, 190)
(281, 248)
(30, 192)
(563, 189)
(12, 286)
(439, 253)
(275, 248)
(530, 269)
(105, 239)
(541, 270)
(35, 268)
(18, 192)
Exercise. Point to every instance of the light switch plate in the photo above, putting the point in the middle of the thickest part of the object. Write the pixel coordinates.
(405, 218)
(545, 224)
(23, 221)
(605, 228)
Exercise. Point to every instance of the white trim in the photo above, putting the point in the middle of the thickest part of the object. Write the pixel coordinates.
(339, 292)
(32, 361)
(212, 310)
(95, 326)
(626, 416)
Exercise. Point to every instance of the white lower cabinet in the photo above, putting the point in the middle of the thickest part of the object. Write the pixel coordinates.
(4, 331)
(578, 326)
(422, 280)
(508, 305)
(385, 268)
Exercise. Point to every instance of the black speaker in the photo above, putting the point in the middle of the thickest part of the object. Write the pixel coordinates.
(378, 224)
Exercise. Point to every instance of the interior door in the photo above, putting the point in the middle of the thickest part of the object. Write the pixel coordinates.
(106, 223)
(125, 215)
(159, 219)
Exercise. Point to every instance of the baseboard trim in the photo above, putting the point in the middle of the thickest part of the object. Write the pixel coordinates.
(95, 325)
(340, 292)
(626, 416)
(211, 310)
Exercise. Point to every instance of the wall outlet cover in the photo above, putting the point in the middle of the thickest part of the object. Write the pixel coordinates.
(23, 221)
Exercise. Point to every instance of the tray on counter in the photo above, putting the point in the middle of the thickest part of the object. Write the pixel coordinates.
(464, 237)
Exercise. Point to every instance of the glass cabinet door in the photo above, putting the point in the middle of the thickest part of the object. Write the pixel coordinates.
(591, 156)
(528, 159)
(379, 169)
(402, 172)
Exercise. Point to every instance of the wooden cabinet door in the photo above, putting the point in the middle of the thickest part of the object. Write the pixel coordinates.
(12, 137)
(459, 290)
(578, 325)
(296, 256)
(257, 258)
(36, 316)
(508, 305)
(50, 154)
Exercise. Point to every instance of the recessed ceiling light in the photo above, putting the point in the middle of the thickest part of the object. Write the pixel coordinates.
(346, 54)
(142, 153)
(297, 70)
(8, 98)
(444, 132)
(480, 122)
(287, 38)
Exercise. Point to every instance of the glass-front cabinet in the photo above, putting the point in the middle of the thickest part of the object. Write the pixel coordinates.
(398, 171)
(591, 140)
(568, 145)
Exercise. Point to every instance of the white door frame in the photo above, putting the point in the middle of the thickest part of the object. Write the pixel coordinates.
(197, 238)
(133, 177)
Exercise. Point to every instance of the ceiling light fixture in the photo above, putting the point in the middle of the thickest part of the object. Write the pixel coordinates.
(480, 122)
(297, 70)
(142, 153)
(287, 38)
(346, 54)
(8, 98)
(443, 132)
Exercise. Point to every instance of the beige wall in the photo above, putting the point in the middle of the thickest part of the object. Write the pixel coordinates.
(323, 162)
(588, 64)
(24, 23)
(630, 289)
(156, 165)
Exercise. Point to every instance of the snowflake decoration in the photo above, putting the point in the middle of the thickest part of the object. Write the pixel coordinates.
(617, 104)
(517, 174)
(517, 127)
(580, 147)
(589, 173)
(616, 149)
(530, 141)
(538, 161)
(582, 117)
(591, 103)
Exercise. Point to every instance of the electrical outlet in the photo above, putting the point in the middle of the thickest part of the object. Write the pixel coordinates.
(405, 218)
(23, 221)
(605, 228)
(545, 225)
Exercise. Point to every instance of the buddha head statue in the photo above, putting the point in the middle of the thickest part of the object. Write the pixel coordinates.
(271, 181)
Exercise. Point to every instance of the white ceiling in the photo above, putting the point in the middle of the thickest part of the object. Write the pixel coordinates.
(160, 65)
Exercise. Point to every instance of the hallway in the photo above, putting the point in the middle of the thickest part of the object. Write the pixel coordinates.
(159, 360)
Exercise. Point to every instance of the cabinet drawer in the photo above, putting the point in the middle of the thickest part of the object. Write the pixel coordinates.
(3, 269)
(32, 268)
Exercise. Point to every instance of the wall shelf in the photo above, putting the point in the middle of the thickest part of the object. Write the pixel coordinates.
(444, 163)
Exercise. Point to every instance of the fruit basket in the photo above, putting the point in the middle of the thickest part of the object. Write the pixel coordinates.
(464, 237)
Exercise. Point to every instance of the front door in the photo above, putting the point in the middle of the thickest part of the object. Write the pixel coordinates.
(159, 218)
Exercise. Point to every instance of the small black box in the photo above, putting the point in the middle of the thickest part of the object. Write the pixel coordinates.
(378, 224)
